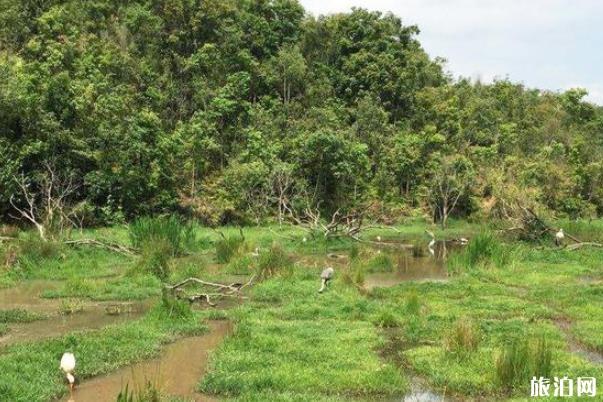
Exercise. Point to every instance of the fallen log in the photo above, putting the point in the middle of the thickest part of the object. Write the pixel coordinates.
(583, 244)
(223, 290)
(116, 247)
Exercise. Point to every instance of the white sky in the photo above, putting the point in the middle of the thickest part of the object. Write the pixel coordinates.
(549, 44)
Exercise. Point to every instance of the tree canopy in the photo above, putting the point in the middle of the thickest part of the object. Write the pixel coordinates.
(205, 107)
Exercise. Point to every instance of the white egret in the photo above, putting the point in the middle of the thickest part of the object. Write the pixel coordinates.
(325, 277)
(379, 239)
(432, 243)
(68, 367)
(559, 236)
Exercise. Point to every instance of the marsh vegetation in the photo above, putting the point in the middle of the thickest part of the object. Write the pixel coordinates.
(480, 329)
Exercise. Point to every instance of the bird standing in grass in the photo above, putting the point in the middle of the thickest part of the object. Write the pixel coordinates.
(68, 367)
(559, 236)
(325, 277)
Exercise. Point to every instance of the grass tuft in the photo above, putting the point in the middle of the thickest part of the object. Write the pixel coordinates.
(463, 339)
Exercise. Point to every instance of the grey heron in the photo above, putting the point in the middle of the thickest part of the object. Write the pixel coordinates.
(325, 277)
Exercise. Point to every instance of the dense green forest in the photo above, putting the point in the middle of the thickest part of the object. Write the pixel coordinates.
(237, 111)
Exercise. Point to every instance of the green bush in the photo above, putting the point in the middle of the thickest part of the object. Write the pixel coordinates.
(274, 262)
(178, 235)
(227, 247)
(155, 259)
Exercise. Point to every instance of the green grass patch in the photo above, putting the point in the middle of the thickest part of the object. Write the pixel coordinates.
(19, 315)
(300, 357)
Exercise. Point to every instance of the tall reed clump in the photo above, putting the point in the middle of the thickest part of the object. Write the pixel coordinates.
(381, 262)
(179, 236)
(482, 249)
(463, 339)
(521, 360)
(413, 304)
(155, 258)
(228, 246)
(274, 262)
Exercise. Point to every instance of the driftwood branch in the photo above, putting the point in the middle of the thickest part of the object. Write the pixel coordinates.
(223, 290)
(583, 244)
(116, 247)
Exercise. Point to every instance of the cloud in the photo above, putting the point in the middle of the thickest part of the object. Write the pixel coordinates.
(542, 43)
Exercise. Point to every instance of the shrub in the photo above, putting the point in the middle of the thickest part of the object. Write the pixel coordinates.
(178, 235)
(155, 259)
(463, 339)
(227, 247)
(274, 262)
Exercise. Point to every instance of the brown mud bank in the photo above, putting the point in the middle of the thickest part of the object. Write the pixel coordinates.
(176, 372)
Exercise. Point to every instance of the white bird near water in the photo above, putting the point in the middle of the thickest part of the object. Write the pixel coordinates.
(379, 239)
(559, 236)
(432, 243)
(68, 366)
(325, 276)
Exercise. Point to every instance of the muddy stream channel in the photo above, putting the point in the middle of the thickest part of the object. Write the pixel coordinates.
(180, 366)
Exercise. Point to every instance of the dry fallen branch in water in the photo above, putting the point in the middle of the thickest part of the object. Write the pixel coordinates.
(223, 290)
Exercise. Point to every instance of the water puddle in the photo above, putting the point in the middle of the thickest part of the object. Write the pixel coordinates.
(27, 295)
(413, 268)
(419, 392)
(176, 372)
(94, 315)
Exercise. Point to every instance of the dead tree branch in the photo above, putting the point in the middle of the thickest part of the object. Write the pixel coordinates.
(220, 290)
(116, 247)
